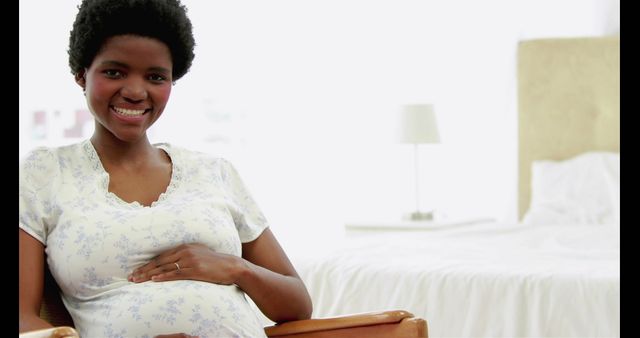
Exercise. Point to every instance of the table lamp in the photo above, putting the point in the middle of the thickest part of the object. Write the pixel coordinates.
(418, 126)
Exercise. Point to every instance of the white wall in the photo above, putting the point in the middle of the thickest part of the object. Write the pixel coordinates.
(305, 95)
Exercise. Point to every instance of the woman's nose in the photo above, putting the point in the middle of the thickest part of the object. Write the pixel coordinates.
(134, 90)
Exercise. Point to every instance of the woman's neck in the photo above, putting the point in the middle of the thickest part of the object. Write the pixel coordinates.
(113, 151)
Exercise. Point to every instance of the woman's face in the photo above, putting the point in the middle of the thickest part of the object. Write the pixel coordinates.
(127, 85)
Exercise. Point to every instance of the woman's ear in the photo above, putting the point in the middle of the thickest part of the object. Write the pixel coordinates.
(81, 79)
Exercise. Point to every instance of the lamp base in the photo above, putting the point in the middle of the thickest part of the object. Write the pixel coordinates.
(419, 216)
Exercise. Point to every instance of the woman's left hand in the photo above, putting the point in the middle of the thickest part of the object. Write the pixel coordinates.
(193, 261)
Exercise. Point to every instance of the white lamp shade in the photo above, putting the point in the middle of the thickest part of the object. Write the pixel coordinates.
(418, 124)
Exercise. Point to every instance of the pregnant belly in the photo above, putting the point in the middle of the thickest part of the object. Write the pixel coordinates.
(150, 308)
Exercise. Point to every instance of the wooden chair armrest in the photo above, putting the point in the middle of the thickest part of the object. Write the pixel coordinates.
(336, 323)
(54, 332)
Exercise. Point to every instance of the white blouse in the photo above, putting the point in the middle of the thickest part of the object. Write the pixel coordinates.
(94, 240)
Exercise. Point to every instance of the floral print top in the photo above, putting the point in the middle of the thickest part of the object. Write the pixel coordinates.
(94, 240)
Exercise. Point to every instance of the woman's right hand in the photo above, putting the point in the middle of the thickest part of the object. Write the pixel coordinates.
(194, 261)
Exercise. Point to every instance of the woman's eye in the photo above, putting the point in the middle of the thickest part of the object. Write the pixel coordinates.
(157, 78)
(112, 73)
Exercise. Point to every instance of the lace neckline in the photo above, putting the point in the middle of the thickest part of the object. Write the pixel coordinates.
(96, 164)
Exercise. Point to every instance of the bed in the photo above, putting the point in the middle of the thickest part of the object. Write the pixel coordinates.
(553, 273)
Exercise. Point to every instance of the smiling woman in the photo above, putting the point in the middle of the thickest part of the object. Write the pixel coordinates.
(145, 239)
(137, 72)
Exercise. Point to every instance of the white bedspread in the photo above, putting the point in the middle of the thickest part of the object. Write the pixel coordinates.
(486, 280)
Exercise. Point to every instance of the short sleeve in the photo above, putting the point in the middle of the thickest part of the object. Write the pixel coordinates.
(36, 180)
(248, 219)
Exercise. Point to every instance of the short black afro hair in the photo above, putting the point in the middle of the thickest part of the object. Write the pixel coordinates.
(98, 20)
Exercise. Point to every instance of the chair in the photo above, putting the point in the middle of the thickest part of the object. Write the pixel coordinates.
(388, 324)
(55, 332)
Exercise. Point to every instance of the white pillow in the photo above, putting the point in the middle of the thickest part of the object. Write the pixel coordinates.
(581, 190)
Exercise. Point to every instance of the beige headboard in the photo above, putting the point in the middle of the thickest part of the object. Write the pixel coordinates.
(568, 102)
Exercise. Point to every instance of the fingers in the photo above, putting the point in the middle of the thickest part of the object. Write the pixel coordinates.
(141, 275)
(176, 273)
(183, 262)
(162, 270)
(167, 276)
(159, 265)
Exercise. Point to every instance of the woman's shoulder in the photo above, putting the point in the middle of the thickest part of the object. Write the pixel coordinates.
(43, 156)
(37, 154)
(43, 164)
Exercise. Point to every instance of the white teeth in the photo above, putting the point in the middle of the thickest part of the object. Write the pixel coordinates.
(128, 112)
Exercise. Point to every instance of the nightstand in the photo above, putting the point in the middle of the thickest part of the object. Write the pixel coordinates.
(401, 225)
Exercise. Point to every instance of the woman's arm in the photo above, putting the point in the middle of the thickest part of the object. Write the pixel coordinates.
(31, 279)
(269, 278)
